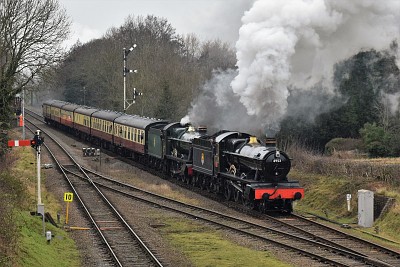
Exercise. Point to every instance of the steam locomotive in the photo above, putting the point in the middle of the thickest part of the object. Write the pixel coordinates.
(234, 164)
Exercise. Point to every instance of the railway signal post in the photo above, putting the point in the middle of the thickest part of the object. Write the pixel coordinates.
(128, 102)
(23, 113)
(36, 143)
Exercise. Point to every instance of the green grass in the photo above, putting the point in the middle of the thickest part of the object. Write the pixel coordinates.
(204, 246)
(36, 251)
(389, 224)
(32, 247)
(326, 196)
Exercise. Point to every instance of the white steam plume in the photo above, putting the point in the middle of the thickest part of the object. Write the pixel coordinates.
(296, 43)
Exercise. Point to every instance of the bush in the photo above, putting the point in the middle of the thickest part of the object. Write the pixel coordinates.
(377, 149)
(377, 142)
(342, 144)
(12, 191)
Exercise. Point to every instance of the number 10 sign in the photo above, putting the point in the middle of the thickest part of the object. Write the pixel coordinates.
(68, 197)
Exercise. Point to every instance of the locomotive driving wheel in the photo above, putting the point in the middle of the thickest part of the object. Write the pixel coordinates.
(193, 180)
(203, 183)
(228, 192)
(238, 196)
(188, 179)
(209, 187)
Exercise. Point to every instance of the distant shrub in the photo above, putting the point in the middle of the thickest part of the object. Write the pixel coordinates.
(377, 149)
(380, 143)
(342, 144)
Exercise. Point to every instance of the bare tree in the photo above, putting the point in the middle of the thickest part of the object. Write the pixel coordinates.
(31, 34)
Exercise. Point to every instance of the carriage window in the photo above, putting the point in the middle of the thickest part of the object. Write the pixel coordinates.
(136, 139)
(141, 137)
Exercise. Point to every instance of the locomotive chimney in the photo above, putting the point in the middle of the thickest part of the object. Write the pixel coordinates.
(202, 129)
(270, 142)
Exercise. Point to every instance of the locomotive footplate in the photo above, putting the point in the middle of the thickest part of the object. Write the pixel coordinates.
(288, 190)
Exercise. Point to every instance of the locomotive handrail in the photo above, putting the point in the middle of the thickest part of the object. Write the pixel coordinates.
(180, 140)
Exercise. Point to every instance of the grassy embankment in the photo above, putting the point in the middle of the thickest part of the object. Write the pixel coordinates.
(22, 240)
(327, 180)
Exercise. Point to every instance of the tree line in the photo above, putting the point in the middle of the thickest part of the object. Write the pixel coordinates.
(170, 68)
(365, 106)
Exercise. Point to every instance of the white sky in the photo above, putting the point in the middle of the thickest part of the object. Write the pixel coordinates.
(208, 19)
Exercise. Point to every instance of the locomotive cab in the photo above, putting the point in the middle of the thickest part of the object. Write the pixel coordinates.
(178, 147)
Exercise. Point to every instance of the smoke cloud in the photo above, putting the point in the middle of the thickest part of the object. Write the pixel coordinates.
(291, 44)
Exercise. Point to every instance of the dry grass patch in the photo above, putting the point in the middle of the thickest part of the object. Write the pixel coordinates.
(155, 185)
(204, 246)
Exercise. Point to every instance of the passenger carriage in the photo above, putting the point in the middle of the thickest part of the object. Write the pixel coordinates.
(102, 125)
(82, 121)
(67, 115)
(131, 133)
(52, 111)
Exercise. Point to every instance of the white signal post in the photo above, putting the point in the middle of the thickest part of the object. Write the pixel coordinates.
(127, 102)
(23, 113)
(38, 171)
(37, 146)
(40, 205)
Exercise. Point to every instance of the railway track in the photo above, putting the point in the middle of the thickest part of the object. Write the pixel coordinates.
(340, 238)
(124, 247)
(299, 240)
(294, 233)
